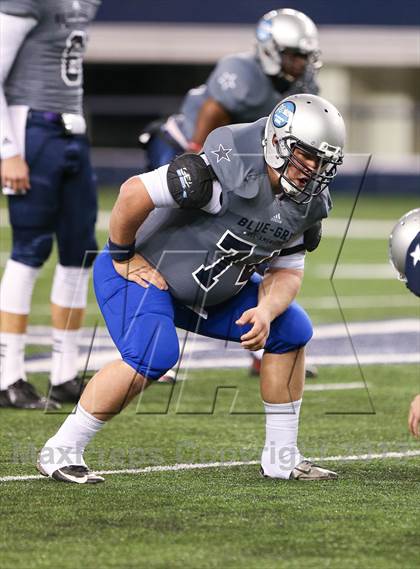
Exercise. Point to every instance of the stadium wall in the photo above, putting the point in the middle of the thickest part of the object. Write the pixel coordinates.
(139, 67)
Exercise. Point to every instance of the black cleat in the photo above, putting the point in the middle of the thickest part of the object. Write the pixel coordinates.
(73, 474)
(68, 392)
(23, 395)
(311, 371)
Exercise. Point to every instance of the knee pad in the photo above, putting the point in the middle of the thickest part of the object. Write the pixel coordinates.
(70, 287)
(30, 247)
(16, 287)
(289, 331)
(151, 345)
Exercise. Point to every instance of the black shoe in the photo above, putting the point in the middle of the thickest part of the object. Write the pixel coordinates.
(311, 371)
(74, 474)
(23, 395)
(68, 392)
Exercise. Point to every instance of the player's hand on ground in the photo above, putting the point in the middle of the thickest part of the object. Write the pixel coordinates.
(141, 272)
(414, 416)
(256, 337)
(15, 174)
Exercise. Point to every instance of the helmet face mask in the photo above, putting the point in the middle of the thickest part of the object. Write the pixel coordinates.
(303, 142)
(311, 167)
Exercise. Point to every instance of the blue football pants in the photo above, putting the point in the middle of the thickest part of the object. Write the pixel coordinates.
(61, 202)
(142, 321)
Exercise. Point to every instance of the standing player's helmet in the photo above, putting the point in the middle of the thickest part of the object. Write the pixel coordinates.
(314, 126)
(286, 29)
(404, 249)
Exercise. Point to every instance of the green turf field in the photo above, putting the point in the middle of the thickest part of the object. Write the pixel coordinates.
(228, 516)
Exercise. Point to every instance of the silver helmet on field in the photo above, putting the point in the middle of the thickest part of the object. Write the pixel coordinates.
(402, 236)
(279, 30)
(304, 125)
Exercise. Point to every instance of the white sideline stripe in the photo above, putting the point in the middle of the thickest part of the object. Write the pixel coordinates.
(380, 301)
(202, 466)
(359, 228)
(41, 335)
(334, 227)
(98, 360)
(358, 271)
(366, 359)
(368, 328)
(335, 386)
(319, 303)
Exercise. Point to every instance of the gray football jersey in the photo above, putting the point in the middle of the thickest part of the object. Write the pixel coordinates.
(47, 73)
(240, 85)
(207, 259)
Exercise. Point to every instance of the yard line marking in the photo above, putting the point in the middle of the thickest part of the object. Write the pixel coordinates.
(359, 228)
(333, 227)
(379, 301)
(357, 271)
(41, 335)
(335, 386)
(204, 465)
(368, 328)
(99, 359)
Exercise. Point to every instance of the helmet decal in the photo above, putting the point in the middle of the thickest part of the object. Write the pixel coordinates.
(283, 114)
(264, 29)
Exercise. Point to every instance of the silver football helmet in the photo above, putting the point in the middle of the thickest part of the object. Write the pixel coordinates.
(405, 230)
(286, 29)
(313, 126)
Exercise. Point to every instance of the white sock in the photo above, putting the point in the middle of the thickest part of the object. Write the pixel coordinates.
(12, 359)
(65, 353)
(67, 446)
(16, 287)
(281, 454)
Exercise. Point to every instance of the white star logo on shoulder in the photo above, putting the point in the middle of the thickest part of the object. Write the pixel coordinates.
(227, 80)
(416, 255)
(222, 153)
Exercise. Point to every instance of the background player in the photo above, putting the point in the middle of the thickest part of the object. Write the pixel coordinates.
(210, 220)
(243, 87)
(404, 253)
(46, 172)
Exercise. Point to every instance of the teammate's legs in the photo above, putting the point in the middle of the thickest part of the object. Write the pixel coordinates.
(76, 248)
(32, 217)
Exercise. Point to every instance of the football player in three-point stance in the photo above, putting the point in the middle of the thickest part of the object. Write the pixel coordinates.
(46, 173)
(242, 88)
(404, 254)
(203, 223)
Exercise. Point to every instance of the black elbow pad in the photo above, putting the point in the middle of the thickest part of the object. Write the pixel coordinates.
(190, 181)
(312, 236)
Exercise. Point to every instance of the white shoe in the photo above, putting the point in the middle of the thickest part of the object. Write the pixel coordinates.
(307, 470)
